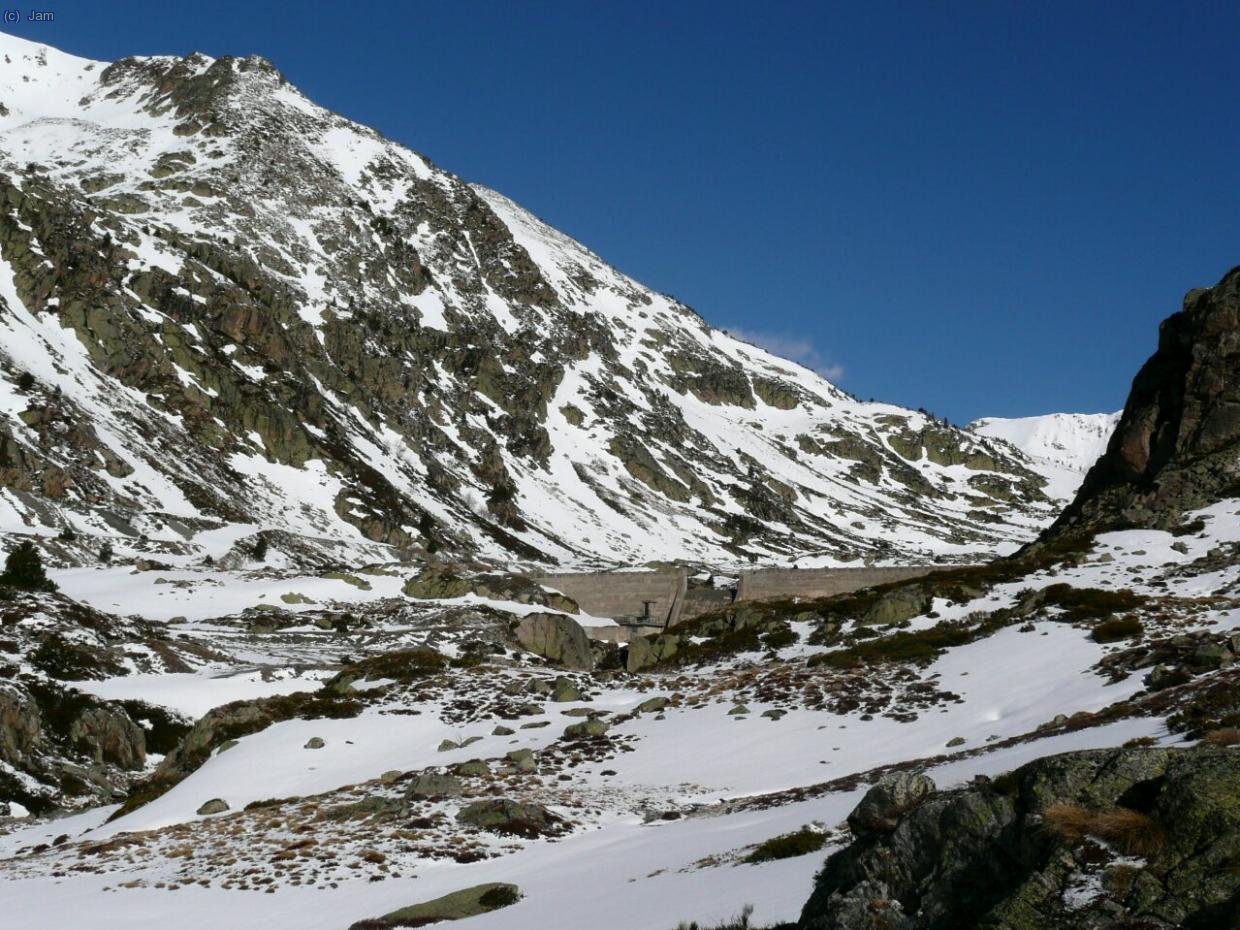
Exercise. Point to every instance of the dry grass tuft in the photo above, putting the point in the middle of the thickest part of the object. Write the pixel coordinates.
(1129, 831)
(1069, 822)
(1223, 736)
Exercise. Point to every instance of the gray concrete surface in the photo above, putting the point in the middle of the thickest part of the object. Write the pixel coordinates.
(623, 595)
(765, 584)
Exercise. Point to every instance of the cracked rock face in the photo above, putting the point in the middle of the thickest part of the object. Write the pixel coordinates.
(1103, 838)
(1177, 445)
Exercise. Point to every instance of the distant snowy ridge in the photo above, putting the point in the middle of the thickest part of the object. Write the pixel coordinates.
(1062, 446)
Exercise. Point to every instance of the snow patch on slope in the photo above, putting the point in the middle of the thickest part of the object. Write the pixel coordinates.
(1062, 446)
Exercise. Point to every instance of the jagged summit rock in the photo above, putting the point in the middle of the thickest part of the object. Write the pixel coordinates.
(1177, 444)
(223, 304)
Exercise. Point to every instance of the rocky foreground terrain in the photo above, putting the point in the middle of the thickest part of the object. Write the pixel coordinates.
(283, 671)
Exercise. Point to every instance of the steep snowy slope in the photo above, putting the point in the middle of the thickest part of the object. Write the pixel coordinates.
(226, 311)
(1061, 446)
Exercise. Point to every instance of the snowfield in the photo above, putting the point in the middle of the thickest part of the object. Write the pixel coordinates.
(1062, 446)
(664, 809)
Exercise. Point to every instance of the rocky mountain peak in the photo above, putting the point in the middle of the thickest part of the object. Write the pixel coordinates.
(260, 314)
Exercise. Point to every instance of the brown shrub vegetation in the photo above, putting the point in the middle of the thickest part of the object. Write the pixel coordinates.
(1129, 831)
(1223, 736)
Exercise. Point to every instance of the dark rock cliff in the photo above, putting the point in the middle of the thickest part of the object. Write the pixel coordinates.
(1113, 838)
(1177, 445)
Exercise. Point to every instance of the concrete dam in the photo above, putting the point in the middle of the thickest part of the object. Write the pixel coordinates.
(647, 600)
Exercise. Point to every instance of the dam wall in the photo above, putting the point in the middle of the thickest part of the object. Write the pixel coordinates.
(663, 598)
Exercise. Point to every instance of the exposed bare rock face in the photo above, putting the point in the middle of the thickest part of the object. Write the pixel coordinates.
(61, 746)
(1177, 445)
(1101, 839)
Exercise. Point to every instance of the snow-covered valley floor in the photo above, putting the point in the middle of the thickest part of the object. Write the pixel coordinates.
(656, 811)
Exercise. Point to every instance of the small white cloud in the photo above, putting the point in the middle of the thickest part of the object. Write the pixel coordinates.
(794, 348)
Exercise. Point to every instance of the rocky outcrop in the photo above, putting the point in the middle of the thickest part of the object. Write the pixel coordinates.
(511, 818)
(61, 747)
(108, 735)
(21, 724)
(1177, 445)
(230, 722)
(743, 628)
(468, 902)
(438, 582)
(557, 638)
(1110, 838)
(67, 747)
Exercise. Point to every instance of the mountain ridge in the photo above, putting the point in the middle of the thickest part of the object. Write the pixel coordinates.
(366, 352)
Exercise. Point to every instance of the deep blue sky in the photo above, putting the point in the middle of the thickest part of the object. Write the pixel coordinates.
(977, 208)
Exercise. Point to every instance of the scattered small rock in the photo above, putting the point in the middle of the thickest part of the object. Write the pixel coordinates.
(587, 729)
(433, 785)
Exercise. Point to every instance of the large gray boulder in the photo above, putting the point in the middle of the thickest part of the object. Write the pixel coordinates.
(586, 729)
(896, 607)
(647, 651)
(885, 803)
(557, 638)
(513, 818)
(433, 785)
(468, 902)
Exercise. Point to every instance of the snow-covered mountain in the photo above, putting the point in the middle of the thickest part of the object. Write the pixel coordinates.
(1039, 735)
(1062, 447)
(225, 310)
